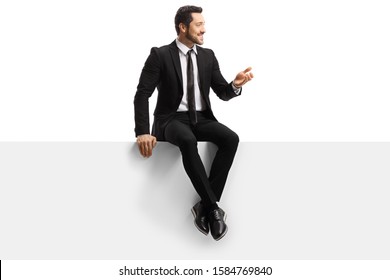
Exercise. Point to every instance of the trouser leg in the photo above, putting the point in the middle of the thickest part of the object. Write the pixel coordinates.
(181, 134)
(227, 142)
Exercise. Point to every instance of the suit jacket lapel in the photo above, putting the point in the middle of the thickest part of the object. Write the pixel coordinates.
(201, 69)
(176, 61)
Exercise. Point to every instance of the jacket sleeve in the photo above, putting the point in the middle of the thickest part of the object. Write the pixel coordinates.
(148, 82)
(220, 86)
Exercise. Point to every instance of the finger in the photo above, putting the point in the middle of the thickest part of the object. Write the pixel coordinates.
(154, 142)
(149, 147)
(141, 148)
(247, 70)
(248, 77)
(144, 149)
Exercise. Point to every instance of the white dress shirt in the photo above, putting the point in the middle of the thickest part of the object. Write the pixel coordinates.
(199, 102)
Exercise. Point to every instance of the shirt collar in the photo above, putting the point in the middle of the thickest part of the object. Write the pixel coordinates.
(183, 48)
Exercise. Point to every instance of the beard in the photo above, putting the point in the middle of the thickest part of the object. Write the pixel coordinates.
(194, 39)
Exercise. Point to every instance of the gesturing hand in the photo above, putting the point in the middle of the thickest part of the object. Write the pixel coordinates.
(146, 143)
(243, 77)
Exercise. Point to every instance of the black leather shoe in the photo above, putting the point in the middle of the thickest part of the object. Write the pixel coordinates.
(200, 221)
(217, 223)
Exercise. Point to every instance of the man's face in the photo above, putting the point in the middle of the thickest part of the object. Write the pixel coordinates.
(196, 29)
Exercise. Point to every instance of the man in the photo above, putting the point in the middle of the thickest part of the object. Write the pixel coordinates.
(183, 73)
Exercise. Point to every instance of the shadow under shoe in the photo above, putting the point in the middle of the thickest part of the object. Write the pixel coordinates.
(201, 222)
(217, 223)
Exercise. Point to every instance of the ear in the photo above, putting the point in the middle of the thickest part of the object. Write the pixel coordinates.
(182, 27)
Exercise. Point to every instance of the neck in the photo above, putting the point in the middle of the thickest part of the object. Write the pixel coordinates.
(186, 42)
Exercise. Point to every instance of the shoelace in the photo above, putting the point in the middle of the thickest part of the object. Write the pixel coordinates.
(217, 214)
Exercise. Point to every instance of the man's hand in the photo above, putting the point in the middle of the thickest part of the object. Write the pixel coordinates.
(146, 143)
(243, 77)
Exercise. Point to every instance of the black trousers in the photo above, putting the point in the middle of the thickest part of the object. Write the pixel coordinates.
(181, 133)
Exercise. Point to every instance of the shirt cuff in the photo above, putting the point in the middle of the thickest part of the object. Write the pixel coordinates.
(237, 90)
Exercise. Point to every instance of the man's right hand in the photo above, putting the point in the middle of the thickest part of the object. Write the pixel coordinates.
(146, 143)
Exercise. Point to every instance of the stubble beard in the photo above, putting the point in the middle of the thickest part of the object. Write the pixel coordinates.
(194, 39)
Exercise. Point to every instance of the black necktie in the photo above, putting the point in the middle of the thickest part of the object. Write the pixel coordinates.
(191, 89)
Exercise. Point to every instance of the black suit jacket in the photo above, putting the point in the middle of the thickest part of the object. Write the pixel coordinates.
(162, 70)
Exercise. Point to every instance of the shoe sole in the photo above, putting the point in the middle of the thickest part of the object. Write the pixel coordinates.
(194, 214)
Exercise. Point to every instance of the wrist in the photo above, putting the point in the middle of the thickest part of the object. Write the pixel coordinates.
(235, 86)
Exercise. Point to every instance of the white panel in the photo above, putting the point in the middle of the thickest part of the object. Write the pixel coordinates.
(102, 200)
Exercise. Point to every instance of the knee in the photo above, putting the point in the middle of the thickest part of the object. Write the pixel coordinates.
(232, 140)
(187, 143)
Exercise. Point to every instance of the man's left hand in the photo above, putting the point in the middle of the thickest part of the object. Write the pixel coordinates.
(243, 77)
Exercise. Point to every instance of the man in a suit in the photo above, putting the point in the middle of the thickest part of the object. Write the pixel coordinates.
(183, 73)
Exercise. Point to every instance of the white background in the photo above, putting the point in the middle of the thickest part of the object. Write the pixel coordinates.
(69, 69)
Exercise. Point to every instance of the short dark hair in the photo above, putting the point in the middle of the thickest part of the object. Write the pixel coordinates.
(184, 16)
